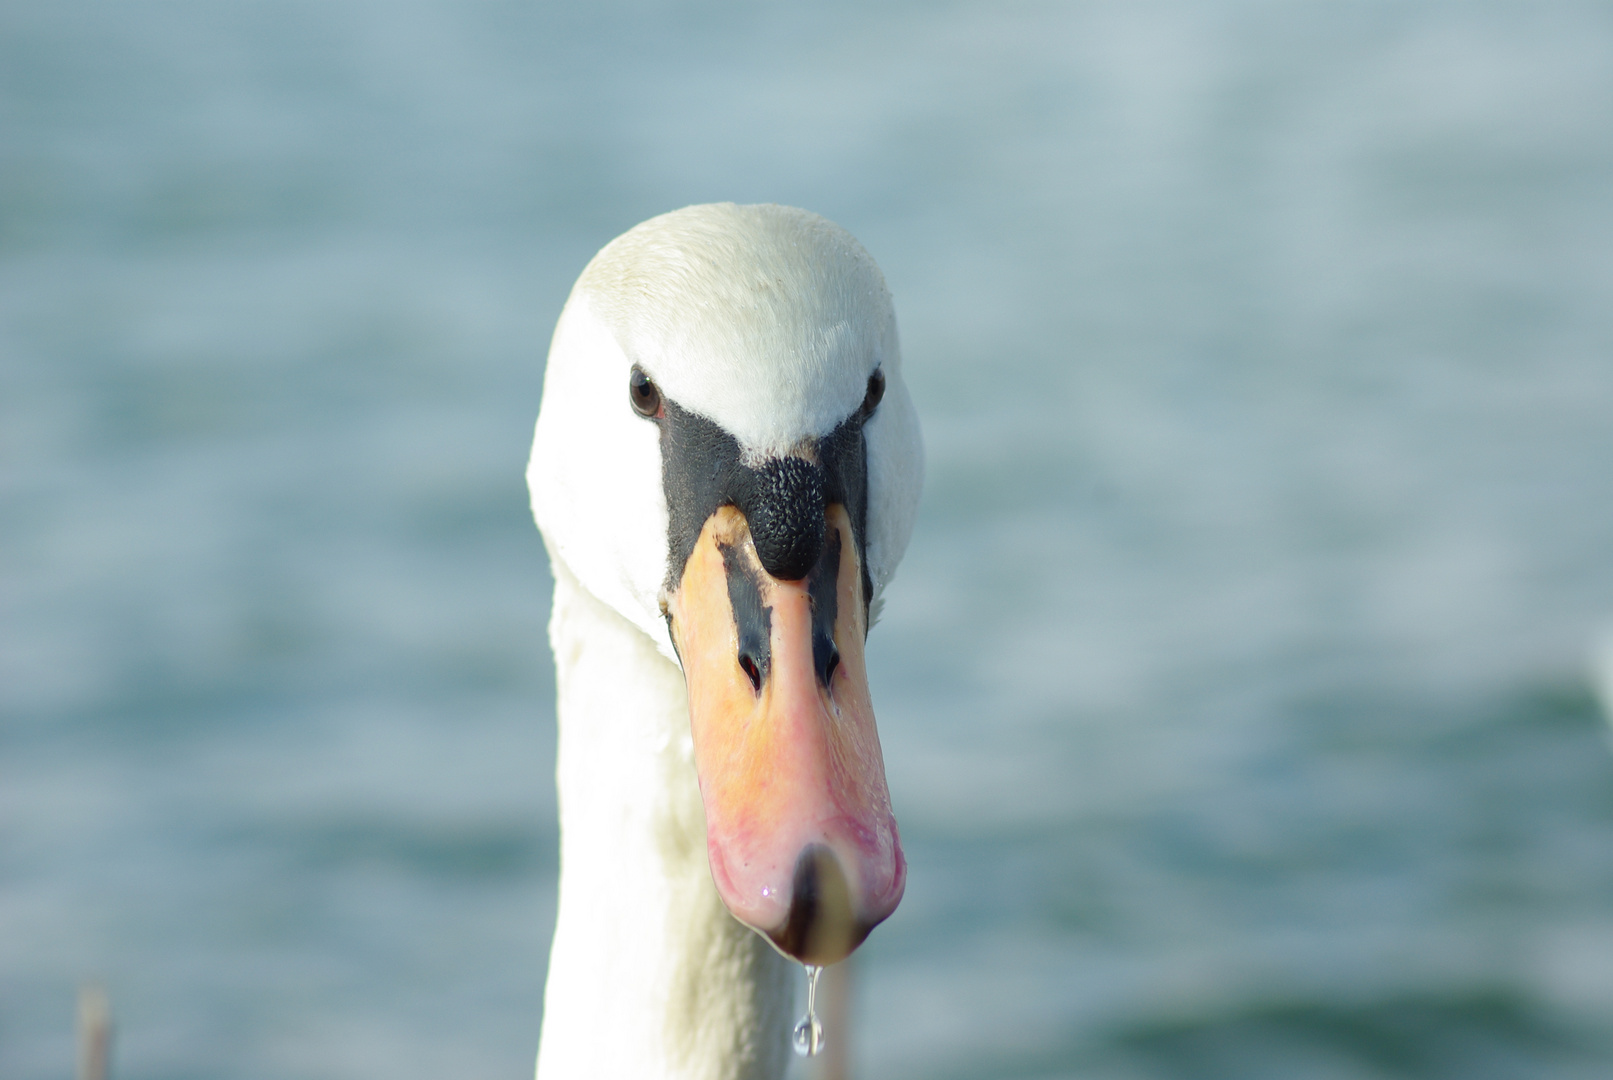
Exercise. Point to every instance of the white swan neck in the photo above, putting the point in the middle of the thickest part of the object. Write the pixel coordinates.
(649, 975)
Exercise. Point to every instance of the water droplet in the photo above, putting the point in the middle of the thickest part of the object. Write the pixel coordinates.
(808, 1035)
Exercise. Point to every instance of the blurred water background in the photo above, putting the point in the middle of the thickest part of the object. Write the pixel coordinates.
(1233, 691)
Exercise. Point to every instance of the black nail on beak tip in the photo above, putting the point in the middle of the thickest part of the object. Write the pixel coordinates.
(822, 928)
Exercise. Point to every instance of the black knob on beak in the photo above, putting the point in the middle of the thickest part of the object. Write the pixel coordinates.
(784, 503)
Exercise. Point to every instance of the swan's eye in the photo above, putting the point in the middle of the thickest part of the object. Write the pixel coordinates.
(876, 390)
(645, 396)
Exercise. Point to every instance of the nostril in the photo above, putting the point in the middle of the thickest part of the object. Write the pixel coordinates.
(748, 664)
(825, 656)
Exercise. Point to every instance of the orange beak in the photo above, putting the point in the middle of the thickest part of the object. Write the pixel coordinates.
(799, 830)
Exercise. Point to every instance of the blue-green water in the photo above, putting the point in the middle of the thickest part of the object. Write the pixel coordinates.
(1233, 691)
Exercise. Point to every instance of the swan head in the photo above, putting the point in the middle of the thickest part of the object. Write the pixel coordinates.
(726, 455)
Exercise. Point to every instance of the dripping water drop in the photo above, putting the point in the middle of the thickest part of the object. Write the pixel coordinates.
(808, 1037)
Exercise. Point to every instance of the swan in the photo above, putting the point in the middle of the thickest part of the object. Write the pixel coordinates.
(725, 471)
